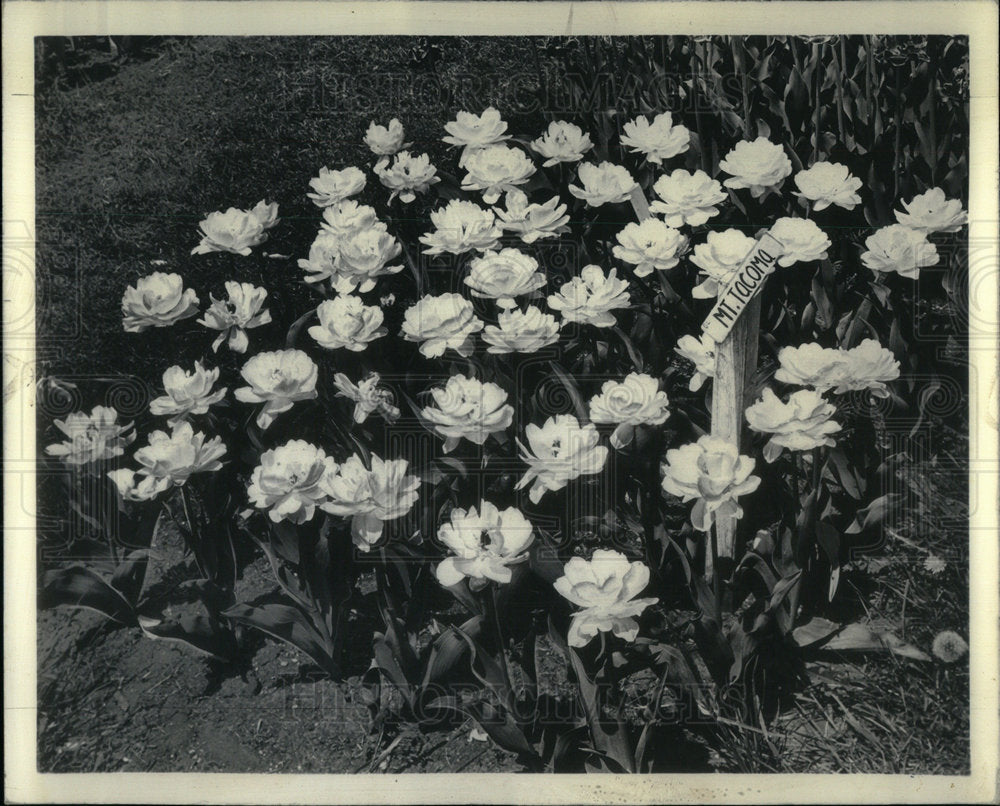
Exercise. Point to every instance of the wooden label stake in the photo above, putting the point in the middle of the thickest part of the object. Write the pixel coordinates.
(734, 323)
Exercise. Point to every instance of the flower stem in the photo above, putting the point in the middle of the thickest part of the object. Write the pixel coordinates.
(716, 575)
(193, 531)
(491, 604)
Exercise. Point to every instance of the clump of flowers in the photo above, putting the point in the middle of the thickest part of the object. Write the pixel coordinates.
(525, 331)
(91, 437)
(633, 402)
(496, 169)
(802, 239)
(345, 321)
(277, 379)
(235, 315)
(441, 323)
(466, 407)
(605, 588)
(532, 222)
(236, 231)
(657, 141)
(827, 183)
(897, 248)
(461, 226)
(603, 184)
(187, 393)
(503, 275)
(757, 165)
(407, 176)
(650, 245)
(700, 351)
(287, 481)
(718, 259)
(712, 473)
(932, 212)
(158, 300)
(370, 498)
(368, 396)
(687, 198)
(485, 543)
(332, 187)
(591, 297)
(473, 132)
(386, 141)
(803, 423)
(562, 142)
(868, 366)
(558, 452)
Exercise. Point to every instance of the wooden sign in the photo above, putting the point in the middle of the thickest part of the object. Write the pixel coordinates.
(748, 281)
(734, 323)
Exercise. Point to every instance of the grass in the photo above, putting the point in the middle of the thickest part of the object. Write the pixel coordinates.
(128, 165)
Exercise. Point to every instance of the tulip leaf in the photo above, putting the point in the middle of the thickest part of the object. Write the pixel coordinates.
(77, 586)
(201, 633)
(288, 624)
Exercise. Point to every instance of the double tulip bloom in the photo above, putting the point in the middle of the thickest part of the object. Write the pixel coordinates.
(828, 183)
(558, 452)
(466, 407)
(332, 187)
(627, 404)
(562, 142)
(718, 260)
(603, 184)
(187, 393)
(650, 245)
(532, 222)
(687, 198)
(368, 396)
(496, 169)
(236, 231)
(485, 542)
(757, 165)
(234, 316)
(700, 351)
(801, 424)
(712, 473)
(461, 226)
(158, 300)
(474, 132)
(931, 212)
(384, 141)
(897, 248)
(439, 323)
(287, 481)
(605, 588)
(91, 437)
(518, 331)
(277, 379)
(346, 322)
(591, 297)
(503, 275)
(407, 176)
(657, 141)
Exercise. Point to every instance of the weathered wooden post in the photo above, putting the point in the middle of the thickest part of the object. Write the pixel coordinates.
(734, 324)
